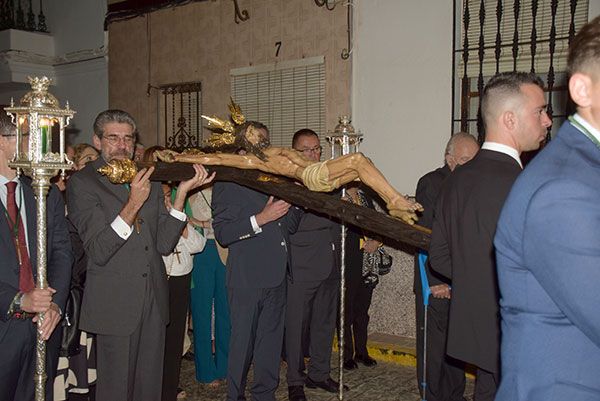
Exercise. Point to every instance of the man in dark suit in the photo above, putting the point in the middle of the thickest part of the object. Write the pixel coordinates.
(445, 378)
(125, 229)
(312, 292)
(514, 114)
(19, 300)
(548, 252)
(256, 229)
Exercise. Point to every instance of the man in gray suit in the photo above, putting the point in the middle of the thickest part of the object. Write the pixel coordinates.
(256, 229)
(312, 291)
(125, 229)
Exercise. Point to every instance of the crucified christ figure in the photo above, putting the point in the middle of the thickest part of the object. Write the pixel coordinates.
(255, 152)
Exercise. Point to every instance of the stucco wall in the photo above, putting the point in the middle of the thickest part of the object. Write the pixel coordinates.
(202, 42)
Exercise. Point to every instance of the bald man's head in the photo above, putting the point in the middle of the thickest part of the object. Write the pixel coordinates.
(461, 148)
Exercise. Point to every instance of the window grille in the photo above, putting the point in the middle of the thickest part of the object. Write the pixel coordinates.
(181, 108)
(513, 35)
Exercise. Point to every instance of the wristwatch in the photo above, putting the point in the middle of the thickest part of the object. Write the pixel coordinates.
(15, 305)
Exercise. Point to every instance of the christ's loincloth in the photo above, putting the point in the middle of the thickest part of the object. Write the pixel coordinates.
(316, 178)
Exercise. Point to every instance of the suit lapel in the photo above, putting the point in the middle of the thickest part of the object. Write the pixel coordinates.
(31, 212)
(5, 234)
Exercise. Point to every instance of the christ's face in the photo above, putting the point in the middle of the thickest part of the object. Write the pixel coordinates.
(258, 137)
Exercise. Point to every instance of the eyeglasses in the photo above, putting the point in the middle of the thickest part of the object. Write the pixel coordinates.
(316, 149)
(115, 139)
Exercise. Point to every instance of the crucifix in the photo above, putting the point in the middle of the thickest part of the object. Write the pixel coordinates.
(177, 252)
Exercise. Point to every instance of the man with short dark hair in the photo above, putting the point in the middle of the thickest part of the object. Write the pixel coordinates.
(548, 252)
(125, 229)
(19, 299)
(445, 378)
(312, 291)
(256, 229)
(514, 114)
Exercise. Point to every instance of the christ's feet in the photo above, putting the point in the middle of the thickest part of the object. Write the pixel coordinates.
(404, 209)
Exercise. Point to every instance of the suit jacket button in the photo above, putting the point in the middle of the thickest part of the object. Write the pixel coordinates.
(146, 248)
(282, 243)
(145, 275)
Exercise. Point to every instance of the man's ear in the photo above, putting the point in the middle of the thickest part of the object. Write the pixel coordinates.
(96, 142)
(449, 161)
(509, 119)
(580, 87)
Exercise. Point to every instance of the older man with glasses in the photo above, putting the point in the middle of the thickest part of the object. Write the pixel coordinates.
(126, 297)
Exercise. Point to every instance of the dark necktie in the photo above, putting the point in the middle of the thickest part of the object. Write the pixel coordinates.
(18, 233)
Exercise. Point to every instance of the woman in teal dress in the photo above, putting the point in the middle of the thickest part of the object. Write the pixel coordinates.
(207, 294)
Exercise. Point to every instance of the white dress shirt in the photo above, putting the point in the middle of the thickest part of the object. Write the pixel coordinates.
(507, 150)
(592, 130)
(124, 230)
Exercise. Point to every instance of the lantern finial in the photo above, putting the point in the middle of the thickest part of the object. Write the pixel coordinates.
(39, 95)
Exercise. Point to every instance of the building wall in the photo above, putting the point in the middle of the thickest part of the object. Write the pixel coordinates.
(594, 9)
(402, 76)
(202, 42)
(82, 73)
(75, 60)
(401, 100)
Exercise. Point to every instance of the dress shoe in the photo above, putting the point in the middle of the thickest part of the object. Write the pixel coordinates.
(365, 360)
(350, 364)
(296, 393)
(328, 385)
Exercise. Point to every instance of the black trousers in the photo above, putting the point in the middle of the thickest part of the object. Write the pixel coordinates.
(257, 319)
(445, 375)
(356, 318)
(179, 300)
(486, 385)
(18, 357)
(311, 308)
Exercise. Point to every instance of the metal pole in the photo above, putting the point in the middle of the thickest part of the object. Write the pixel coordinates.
(342, 307)
(41, 185)
(341, 136)
(424, 382)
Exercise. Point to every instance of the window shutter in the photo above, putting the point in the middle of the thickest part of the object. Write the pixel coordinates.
(285, 96)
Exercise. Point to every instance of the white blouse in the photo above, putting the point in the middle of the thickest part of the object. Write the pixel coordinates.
(201, 209)
(181, 262)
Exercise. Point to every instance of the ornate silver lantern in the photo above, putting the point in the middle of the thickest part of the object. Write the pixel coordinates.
(35, 116)
(344, 139)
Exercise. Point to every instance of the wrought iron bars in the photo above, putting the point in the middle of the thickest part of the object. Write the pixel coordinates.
(181, 113)
(523, 29)
(12, 16)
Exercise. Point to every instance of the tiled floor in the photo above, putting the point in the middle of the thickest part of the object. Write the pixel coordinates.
(385, 382)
